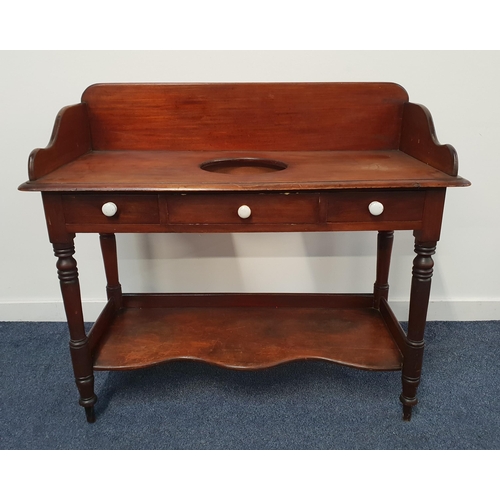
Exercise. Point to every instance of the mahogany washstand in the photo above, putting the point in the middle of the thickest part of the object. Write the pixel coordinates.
(249, 157)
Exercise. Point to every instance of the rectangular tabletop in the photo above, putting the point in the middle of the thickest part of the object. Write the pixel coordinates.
(180, 171)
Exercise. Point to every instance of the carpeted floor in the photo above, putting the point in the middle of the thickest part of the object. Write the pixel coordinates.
(300, 405)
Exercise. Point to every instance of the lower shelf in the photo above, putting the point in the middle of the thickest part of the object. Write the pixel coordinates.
(244, 331)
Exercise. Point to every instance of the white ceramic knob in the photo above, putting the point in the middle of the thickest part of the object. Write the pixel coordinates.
(376, 208)
(109, 209)
(244, 212)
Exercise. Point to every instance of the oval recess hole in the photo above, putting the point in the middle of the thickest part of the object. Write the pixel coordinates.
(243, 166)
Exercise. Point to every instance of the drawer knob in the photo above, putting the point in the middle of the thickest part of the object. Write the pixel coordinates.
(376, 208)
(109, 209)
(244, 212)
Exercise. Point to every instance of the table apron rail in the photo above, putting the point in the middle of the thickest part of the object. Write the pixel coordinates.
(346, 210)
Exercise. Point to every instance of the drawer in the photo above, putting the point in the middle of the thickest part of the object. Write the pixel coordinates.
(357, 206)
(130, 209)
(249, 208)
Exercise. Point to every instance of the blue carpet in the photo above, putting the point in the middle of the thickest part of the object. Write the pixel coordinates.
(300, 405)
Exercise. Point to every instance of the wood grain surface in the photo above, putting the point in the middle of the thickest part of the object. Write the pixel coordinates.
(232, 116)
(247, 337)
(181, 171)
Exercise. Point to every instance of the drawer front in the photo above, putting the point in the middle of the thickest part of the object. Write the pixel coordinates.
(265, 208)
(354, 206)
(130, 209)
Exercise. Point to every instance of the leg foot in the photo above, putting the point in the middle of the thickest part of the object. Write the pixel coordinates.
(408, 405)
(407, 413)
(90, 414)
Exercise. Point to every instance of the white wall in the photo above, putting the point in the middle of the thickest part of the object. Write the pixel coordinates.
(461, 89)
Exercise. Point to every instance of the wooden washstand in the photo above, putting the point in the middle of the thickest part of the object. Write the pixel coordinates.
(249, 157)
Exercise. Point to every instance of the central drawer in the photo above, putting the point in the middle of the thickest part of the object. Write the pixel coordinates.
(243, 208)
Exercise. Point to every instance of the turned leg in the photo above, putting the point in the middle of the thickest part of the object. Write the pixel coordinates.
(79, 348)
(108, 249)
(419, 301)
(384, 250)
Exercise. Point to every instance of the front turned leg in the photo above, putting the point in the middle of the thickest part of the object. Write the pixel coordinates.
(419, 301)
(79, 348)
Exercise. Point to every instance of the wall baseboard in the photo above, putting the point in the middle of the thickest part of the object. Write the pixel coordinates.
(459, 310)
(46, 310)
(465, 310)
